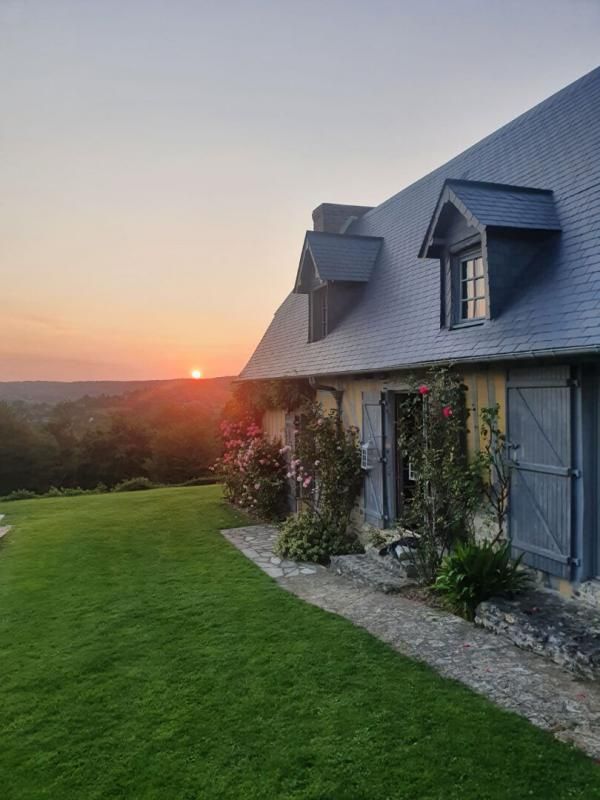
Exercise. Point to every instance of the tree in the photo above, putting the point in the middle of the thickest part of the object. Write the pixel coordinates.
(29, 457)
(181, 451)
(114, 454)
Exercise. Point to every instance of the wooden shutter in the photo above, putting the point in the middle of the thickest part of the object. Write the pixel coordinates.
(540, 434)
(372, 435)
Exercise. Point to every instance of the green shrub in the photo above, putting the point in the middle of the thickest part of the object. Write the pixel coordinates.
(475, 572)
(135, 485)
(199, 482)
(313, 537)
(19, 494)
(55, 491)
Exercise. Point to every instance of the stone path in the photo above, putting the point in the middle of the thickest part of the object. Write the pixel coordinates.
(4, 529)
(257, 543)
(489, 664)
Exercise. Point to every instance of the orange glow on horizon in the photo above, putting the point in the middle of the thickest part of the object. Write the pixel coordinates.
(196, 374)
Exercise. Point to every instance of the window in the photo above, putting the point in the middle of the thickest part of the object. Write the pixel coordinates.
(319, 314)
(470, 290)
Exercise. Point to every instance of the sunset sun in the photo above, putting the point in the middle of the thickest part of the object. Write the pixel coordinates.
(196, 374)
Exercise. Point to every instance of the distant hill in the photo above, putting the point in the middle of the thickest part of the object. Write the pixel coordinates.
(215, 390)
(88, 433)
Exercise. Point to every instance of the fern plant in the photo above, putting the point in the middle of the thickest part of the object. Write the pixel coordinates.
(474, 572)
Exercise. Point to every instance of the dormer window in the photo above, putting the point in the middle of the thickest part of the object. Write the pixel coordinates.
(470, 287)
(333, 271)
(485, 236)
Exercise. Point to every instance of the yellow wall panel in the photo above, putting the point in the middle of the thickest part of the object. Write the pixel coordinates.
(273, 424)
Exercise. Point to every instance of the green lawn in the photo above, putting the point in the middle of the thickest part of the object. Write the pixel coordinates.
(142, 656)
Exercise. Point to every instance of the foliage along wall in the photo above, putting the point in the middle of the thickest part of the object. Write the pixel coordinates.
(486, 386)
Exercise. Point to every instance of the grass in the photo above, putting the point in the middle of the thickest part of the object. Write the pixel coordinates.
(141, 656)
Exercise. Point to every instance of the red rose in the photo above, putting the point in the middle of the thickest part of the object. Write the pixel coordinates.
(447, 412)
(423, 390)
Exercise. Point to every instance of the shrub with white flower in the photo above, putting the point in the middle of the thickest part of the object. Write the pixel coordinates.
(253, 469)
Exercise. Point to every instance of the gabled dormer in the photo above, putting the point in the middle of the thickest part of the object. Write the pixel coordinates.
(485, 235)
(333, 270)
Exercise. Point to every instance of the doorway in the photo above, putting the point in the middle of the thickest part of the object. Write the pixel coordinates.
(404, 478)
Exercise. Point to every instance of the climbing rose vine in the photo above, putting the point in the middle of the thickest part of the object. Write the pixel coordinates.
(447, 488)
(325, 468)
(253, 469)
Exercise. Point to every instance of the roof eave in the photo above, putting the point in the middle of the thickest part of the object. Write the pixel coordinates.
(551, 352)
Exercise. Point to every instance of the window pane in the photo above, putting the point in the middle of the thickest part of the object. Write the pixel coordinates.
(468, 309)
(470, 288)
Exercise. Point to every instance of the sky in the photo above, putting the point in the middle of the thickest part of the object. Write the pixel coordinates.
(160, 159)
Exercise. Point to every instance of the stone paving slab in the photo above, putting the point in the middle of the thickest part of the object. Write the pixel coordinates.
(489, 664)
(257, 543)
(365, 570)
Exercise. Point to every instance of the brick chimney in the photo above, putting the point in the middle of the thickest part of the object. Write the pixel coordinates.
(334, 217)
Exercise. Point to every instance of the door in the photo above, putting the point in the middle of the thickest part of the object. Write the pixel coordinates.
(373, 438)
(540, 436)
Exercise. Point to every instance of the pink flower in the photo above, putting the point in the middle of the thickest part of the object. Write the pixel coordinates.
(424, 390)
(317, 462)
(307, 482)
(257, 486)
(447, 412)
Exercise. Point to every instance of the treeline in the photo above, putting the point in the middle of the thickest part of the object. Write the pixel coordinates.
(168, 437)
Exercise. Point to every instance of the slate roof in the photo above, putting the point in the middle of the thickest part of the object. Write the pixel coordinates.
(494, 205)
(555, 146)
(498, 205)
(342, 257)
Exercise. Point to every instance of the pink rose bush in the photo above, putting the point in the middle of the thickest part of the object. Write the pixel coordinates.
(325, 468)
(253, 469)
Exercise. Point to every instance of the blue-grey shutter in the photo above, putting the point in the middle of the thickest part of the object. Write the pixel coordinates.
(539, 432)
(372, 434)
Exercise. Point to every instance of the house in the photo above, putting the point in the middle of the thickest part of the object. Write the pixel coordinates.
(491, 263)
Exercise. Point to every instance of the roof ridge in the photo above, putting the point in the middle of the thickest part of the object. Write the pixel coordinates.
(344, 235)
